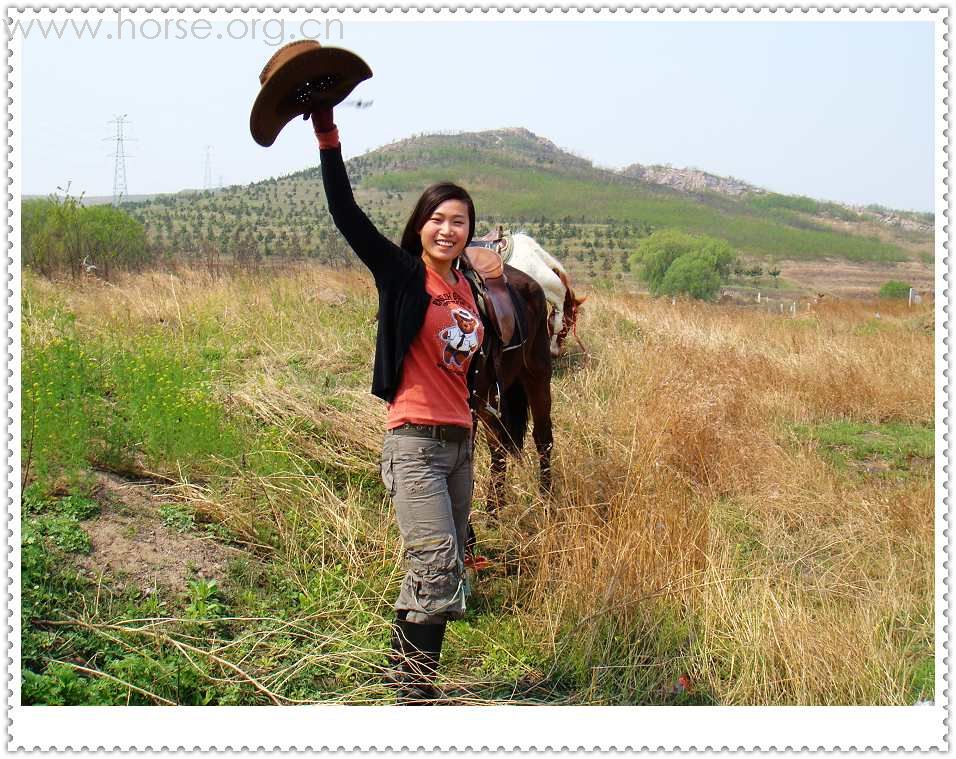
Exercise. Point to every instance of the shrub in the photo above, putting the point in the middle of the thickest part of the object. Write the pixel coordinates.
(113, 239)
(61, 236)
(895, 289)
(802, 204)
(790, 202)
(675, 263)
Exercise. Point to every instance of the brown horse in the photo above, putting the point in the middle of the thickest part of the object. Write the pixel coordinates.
(510, 380)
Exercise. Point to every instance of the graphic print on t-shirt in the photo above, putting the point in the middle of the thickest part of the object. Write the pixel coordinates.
(434, 382)
(462, 336)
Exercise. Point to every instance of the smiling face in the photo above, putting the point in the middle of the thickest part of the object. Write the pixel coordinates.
(444, 235)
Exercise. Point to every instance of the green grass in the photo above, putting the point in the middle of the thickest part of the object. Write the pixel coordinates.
(104, 402)
(892, 447)
(730, 519)
(802, 204)
(923, 679)
(164, 394)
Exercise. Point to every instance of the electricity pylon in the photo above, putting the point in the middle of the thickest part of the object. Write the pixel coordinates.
(119, 160)
(207, 172)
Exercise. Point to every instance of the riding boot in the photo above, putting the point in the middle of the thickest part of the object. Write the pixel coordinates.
(416, 650)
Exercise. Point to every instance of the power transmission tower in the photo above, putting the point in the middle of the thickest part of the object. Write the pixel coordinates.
(207, 178)
(119, 160)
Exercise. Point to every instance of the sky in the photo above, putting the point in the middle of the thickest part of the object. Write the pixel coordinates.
(838, 111)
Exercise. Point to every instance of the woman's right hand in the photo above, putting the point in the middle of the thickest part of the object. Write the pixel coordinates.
(322, 119)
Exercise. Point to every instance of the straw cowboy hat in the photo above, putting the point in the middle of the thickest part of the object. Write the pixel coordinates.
(301, 77)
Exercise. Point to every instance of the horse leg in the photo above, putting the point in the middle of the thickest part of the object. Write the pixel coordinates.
(498, 470)
(539, 399)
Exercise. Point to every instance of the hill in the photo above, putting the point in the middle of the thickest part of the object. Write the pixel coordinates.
(589, 217)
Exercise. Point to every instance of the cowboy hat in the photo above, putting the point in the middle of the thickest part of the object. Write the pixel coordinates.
(300, 78)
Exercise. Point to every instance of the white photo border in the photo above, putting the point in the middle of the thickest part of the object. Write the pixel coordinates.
(333, 727)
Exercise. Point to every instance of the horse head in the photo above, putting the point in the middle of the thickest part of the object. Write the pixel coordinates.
(570, 310)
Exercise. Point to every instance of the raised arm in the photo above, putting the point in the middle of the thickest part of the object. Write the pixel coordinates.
(383, 257)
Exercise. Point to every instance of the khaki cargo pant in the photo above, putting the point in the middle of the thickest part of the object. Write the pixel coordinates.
(431, 483)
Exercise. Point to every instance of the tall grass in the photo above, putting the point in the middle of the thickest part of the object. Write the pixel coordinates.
(706, 539)
(698, 527)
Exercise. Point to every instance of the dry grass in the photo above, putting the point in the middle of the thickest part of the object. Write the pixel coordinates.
(681, 495)
(689, 530)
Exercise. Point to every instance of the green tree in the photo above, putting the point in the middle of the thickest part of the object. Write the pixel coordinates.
(60, 235)
(691, 274)
(37, 239)
(113, 238)
(699, 263)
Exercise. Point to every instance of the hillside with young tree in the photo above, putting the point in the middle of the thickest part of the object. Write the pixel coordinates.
(591, 218)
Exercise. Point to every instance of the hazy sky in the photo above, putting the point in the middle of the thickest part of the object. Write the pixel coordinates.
(834, 110)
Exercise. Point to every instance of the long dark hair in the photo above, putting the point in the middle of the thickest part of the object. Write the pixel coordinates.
(433, 197)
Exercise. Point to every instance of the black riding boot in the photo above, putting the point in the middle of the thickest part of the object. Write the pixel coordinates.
(416, 650)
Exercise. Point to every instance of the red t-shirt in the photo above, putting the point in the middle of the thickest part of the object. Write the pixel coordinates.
(434, 385)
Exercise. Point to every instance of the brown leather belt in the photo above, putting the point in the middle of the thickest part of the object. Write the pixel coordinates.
(444, 432)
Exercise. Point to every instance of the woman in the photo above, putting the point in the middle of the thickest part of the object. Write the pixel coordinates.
(428, 334)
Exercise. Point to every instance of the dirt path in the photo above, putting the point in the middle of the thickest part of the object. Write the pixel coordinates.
(131, 541)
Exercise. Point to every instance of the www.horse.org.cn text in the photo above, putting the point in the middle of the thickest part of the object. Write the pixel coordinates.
(271, 31)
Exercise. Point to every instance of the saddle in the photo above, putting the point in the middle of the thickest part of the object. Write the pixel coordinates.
(486, 256)
(498, 240)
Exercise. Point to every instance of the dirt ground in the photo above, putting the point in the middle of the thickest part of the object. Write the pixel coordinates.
(849, 280)
(131, 541)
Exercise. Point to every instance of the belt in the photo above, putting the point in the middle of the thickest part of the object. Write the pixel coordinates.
(437, 431)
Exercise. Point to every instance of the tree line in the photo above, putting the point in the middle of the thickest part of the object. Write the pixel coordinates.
(60, 236)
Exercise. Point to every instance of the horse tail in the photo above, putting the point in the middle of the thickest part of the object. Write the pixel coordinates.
(514, 417)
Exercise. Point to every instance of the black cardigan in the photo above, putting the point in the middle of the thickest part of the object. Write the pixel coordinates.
(399, 277)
